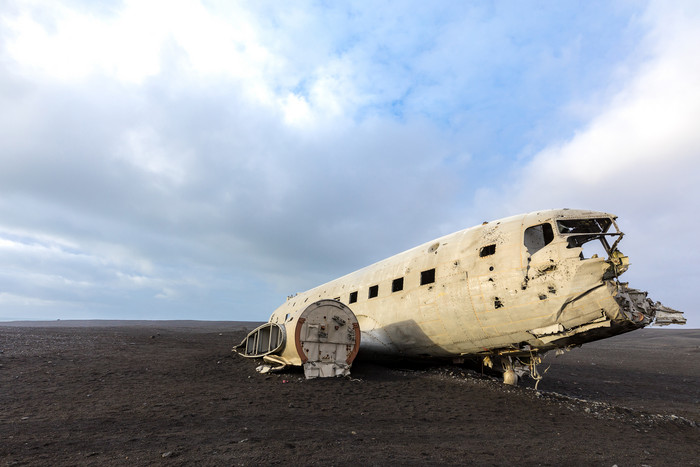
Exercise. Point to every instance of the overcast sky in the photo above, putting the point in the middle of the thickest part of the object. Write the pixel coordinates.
(203, 160)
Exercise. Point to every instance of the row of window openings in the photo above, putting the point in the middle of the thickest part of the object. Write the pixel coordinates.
(426, 277)
(536, 237)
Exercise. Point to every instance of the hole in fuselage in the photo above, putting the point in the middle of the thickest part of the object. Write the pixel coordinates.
(487, 250)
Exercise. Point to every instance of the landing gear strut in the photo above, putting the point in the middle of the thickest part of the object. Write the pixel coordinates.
(509, 375)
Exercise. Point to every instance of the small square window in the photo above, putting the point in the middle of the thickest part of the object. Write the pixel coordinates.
(488, 250)
(353, 297)
(373, 291)
(397, 285)
(427, 277)
(538, 236)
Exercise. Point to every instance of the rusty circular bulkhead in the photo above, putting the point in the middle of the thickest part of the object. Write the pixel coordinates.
(327, 338)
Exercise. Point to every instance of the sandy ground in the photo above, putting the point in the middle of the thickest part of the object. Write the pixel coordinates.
(172, 393)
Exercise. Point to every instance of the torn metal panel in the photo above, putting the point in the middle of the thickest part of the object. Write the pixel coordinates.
(666, 316)
(547, 330)
(635, 303)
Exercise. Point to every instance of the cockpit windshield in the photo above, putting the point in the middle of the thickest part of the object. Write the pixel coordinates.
(580, 231)
(581, 226)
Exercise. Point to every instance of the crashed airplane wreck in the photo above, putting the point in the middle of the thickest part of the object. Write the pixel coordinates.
(504, 292)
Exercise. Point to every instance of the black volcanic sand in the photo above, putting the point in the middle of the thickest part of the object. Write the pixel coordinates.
(174, 394)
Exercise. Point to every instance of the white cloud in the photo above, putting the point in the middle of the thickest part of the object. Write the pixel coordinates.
(646, 137)
(78, 44)
(221, 156)
(8, 300)
(129, 45)
(143, 150)
(639, 157)
(296, 109)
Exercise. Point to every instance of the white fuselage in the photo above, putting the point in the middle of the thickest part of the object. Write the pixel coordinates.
(510, 285)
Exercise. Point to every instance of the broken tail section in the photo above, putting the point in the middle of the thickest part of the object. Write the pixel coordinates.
(324, 338)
